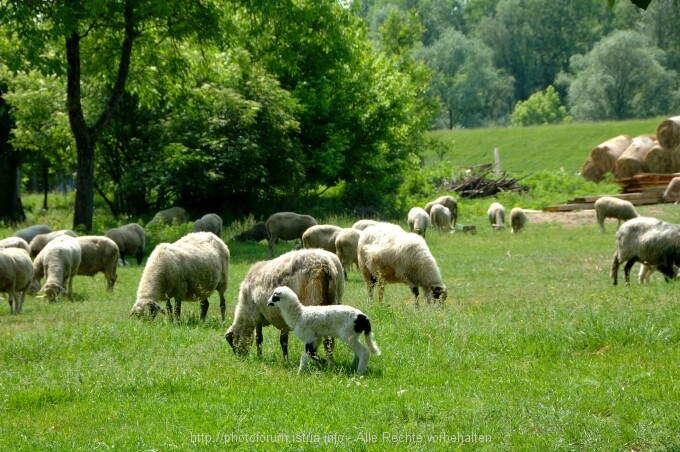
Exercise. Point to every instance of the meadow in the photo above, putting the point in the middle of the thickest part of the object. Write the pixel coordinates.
(534, 349)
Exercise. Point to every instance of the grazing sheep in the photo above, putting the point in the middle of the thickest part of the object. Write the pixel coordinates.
(287, 226)
(173, 215)
(30, 232)
(189, 269)
(363, 224)
(440, 216)
(311, 323)
(210, 222)
(653, 242)
(15, 242)
(611, 207)
(257, 233)
(418, 220)
(346, 243)
(58, 262)
(321, 236)
(98, 254)
(496, 214)
(315, 275)
(39, 241)
(16, 275)
(448, 202)
(387, 255)
(672, 190)
(130, 239)
(518, 219)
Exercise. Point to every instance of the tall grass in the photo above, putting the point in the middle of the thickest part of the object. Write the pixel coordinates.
(534, 349)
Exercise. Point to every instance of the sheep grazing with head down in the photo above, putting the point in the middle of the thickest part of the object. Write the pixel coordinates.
(256, 233)
(450, 203)
(321, 236)
(98, 254)
(210, 222)
(15, 242)
(440, 216)
(346, 244)
(611, 207)
(311, 323)
(672, 191)
(315, 275)
(653, 242)
(130, 239)
(518, 219)
(39, 241)
(287, 226)
(418, 220)
(390, 255)
(190, 269)
(58, 262)
(167, 217)
(30, 232)
(496, 214)
(16, 275)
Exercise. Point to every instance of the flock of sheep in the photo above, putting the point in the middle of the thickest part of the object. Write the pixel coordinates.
(301, 290)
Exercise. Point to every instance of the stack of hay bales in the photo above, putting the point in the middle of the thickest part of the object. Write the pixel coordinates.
(624, 156)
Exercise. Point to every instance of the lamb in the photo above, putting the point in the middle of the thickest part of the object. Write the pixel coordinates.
(448, 202)
(287, 226)
(315, 275)
(189, 269)
(346, 243)
(98, 254)
(418, 220)
(321, 236)
(611, 207)
(496, 214)
(39, 241)
(518, 219)
(173, 215)
(16, 275)
(15, 242)
(130, 239)
(58, 262)
(257, 233)
(30, 232)
(388, 255)
(440, 216)
(311, 323)
(210, 222)
(672, 191)
(653, 242)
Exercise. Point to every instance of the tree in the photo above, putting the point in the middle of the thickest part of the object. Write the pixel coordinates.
(543, 107)
(11, 209)
(621, 78)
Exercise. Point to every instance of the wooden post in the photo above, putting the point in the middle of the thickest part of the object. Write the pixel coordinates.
(496, 162)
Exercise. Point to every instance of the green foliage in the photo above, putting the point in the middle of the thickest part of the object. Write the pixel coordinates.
(541, 108)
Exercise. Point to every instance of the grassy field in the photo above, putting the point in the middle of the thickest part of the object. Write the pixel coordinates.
(534, 349)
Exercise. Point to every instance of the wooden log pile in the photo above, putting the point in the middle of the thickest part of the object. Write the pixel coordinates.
(477, 186)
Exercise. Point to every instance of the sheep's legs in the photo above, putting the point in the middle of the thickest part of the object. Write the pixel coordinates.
(615, 268)
(178, 307)
(304, 358)
(223, 307)
(329, 346)
(283, 340)
(205, 304)
(258, 339)
(627, 267)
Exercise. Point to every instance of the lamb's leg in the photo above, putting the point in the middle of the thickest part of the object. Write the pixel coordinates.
(303, 359)
(258, 339)
(628, 266)
(329, 347)
(205, 304)
(283, 340)
(361, 353)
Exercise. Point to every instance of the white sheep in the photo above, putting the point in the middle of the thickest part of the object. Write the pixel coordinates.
(30, 232)
(58, 262)
(256, 233)
(346, 244)
(672, 190)
(15, 242)
(653, 242)
(496, 214)
(418, 220)
(387, 254)
(210, 222)
(518, 219)
(166, 217)
(449, 202)
(190, 269)
(16, 275)
(314, 274)
(39, 241)
(440, 216)
(311, 323)
(98, 254)
(130, 239)
(321, 236)
(363, 224)
(287, 226)
(611, 207)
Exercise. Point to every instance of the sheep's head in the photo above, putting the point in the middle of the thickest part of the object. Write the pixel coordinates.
(142, 308)
(239, 341)
(52, 291)
(437, 292)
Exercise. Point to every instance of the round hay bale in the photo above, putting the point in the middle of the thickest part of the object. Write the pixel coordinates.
(658, 159)
(591, 173)
(668, 132)
(632, 160)
(605, 155)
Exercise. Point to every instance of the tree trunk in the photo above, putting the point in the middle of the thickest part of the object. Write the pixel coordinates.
(11, 209)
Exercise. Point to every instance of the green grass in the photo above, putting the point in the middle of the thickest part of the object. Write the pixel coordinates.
(534, 349)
